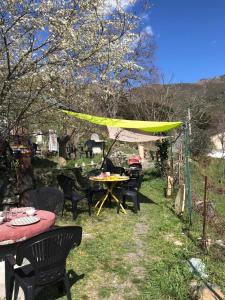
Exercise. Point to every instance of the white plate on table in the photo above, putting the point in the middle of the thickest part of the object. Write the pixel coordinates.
(24, 221)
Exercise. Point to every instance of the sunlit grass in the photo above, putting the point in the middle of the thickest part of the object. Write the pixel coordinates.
(134, 256)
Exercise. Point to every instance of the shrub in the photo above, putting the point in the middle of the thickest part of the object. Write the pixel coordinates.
(200, 143)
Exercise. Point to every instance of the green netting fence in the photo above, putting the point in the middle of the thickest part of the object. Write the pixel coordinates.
(204, 175)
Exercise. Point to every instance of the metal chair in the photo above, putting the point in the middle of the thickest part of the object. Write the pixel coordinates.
(47, 254)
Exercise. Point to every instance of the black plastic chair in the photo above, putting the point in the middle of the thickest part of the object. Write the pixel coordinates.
(68, 186)
(46, 198)
(47, 254)
(83, 184)
(131, 189)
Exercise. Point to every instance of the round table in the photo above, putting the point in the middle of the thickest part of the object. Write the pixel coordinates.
(11, 235)
(110, 181)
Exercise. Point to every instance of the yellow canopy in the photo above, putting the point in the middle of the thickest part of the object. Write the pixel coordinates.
(147, 126)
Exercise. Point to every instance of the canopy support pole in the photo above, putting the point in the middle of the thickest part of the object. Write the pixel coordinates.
(107, 154)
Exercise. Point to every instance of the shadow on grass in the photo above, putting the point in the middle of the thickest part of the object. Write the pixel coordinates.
(57, 291)
(74, 277)
(82, 207)
(144, 199)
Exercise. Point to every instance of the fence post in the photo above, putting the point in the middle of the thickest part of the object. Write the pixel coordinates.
(188, 188)
(204, 228)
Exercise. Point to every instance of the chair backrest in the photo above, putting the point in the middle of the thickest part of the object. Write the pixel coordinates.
(139, 180)
(69, 188)
(108, 165)
(47, 252)
(135, 173)
(66, 184)
(46, 198)
(136, 177)
(80, 181)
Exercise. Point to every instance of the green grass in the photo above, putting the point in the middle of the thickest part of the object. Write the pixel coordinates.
(215, 258)
(214, 169)
(135, 256)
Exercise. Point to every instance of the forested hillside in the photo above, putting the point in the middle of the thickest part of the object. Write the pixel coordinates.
(206, 100)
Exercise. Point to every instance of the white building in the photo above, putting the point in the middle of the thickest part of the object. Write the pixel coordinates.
(218, 141)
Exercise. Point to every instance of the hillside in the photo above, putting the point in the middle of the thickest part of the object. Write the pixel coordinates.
(206, 98)
(211, 89)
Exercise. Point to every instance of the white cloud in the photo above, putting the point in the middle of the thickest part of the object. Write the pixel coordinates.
(118, 3)
(110, 5)
(148, 30)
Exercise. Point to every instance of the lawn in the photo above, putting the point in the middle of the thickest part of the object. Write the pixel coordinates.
(214, 169)
(134, 256)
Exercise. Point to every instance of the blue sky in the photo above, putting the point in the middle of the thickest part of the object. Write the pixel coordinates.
(190, 38)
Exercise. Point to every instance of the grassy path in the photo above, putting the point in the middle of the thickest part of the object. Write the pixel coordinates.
(132, 256)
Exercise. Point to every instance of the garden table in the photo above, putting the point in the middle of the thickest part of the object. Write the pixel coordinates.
(11, 235)
(110, 182)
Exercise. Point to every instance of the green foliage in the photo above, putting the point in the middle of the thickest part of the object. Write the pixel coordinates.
(97, 159)
(200, 143)
(42, 163)
(214, 169)
(161, 163)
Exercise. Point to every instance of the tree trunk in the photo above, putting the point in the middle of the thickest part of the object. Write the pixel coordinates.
(25, 180)
(62, 145)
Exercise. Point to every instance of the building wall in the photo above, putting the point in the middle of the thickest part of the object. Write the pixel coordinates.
(216, 140)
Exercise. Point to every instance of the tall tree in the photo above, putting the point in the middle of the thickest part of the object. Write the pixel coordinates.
(46, 47)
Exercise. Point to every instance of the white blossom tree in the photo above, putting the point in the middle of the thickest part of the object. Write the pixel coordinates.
(47, 47)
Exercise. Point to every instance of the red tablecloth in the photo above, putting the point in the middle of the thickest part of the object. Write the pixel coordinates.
(9, 235)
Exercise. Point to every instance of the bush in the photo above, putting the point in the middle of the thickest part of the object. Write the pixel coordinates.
(161, 164)
(200, 143)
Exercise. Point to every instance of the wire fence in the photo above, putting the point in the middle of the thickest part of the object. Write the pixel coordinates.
(205, 198)
(209, 191)
(201, 187)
